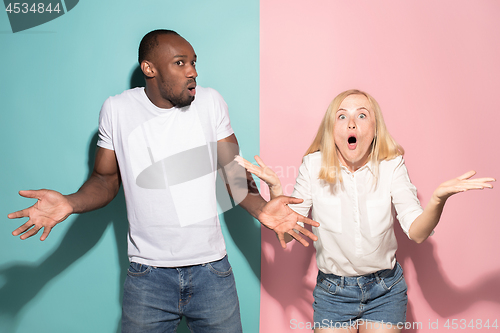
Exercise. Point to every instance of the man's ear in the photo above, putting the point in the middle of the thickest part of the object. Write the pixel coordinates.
(148, 69)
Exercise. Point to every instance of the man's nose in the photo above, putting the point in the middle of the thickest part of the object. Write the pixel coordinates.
(192, 73)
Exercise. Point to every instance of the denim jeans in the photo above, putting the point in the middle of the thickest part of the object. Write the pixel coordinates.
(155, 298)
(340, 302)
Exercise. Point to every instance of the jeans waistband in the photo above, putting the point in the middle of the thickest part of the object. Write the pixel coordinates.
(361, 279)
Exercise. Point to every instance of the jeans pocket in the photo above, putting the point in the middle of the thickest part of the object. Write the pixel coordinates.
(388, 284)
(327, 285)
(221, 267)
(136, 269)
(390, 281)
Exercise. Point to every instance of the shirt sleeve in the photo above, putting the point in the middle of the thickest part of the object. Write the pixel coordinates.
(222, 121)
(404, 197)
(302, 189)
(105, 127)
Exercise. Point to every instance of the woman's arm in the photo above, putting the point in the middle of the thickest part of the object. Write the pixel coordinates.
(423, 225)
(263, 172)
(268, 176)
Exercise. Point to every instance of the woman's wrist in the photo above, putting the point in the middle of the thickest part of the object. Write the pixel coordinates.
(276, 190)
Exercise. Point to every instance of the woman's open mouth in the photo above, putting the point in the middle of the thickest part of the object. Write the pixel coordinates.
(351, 142)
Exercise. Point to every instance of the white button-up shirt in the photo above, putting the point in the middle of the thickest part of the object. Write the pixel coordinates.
(356, 235)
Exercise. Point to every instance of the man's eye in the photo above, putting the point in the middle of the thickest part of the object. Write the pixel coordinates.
(180, 63)
(194, 63)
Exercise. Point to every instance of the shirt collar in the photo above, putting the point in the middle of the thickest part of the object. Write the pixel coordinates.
(368, 166)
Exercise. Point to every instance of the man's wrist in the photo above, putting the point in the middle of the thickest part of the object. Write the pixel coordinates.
(71, 202)
(259, 210)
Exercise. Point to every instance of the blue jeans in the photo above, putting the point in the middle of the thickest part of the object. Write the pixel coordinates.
(155, 298)
(340, 302)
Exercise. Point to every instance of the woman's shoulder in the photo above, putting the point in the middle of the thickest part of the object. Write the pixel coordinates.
(312, 157)
(393, 161)
(392, 164)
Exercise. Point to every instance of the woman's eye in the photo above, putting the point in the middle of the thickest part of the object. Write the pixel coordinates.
(342, 116)
(362, 116)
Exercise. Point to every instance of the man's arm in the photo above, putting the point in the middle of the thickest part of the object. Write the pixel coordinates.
(52, 207)
(268, 176)
(275, 214)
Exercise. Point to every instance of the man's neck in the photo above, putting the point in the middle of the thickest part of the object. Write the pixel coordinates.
(155, 97)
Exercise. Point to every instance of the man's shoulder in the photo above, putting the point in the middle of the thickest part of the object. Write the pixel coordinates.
(206, 93)
(209, 98)
(129, 93)
(125, 97)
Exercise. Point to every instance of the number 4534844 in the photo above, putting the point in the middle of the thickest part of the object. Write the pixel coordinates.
(25, 8)
(462, 324)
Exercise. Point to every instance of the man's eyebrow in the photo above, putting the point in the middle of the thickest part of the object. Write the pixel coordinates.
(184, 56)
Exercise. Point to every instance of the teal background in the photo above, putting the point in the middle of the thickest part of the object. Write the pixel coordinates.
(53, 81)
(31, 13)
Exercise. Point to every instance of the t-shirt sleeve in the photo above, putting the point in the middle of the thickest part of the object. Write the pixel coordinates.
(105, 127)
(222, 121)
(404, 197)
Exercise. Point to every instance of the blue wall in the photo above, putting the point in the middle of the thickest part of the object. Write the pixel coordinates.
(53, 81)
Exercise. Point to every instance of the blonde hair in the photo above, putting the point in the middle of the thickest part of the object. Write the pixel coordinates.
(383, 147)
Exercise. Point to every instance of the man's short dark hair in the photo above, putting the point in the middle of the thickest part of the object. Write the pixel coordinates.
(150, 41)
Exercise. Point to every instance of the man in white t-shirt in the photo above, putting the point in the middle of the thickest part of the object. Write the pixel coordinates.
(169, 143)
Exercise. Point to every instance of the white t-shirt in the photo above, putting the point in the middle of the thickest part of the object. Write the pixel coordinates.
(168, 165)
(356, 234)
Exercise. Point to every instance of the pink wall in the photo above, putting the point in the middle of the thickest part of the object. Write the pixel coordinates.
(434, 67)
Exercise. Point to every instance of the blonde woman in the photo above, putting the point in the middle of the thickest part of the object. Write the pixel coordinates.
(351, 178)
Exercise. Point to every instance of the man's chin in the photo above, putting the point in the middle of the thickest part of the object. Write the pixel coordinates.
(185, 103)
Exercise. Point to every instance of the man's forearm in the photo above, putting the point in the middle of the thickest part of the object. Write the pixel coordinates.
(253, 201)
(95, 193)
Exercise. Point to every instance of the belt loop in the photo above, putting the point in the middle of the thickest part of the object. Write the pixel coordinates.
(377, 277)
(341, 282)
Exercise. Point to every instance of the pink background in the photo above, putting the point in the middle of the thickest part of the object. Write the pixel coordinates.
(434, 67)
